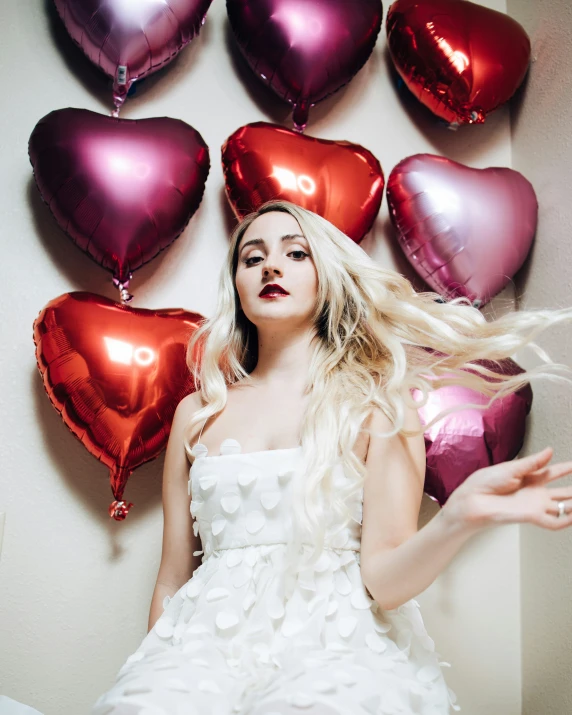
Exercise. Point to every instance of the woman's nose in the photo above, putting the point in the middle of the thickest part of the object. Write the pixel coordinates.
(270, 264)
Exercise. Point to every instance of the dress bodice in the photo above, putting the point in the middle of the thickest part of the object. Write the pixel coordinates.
(243, 499)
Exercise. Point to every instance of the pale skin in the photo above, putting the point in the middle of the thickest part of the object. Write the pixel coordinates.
(398, 560)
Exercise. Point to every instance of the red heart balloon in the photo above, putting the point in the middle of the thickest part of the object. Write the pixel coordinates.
(122, 189)
(462, 60)
(465, 231)
(305, 49)
(116, 375)
(340, 181)
(131, 40)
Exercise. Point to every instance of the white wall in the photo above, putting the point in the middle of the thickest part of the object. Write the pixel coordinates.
(75, 586)
(542, 150)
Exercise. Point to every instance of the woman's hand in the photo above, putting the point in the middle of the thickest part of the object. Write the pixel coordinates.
(513, 492)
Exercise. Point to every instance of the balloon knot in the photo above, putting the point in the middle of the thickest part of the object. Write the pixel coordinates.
(118, 510)
(124, 294)
(300, 116)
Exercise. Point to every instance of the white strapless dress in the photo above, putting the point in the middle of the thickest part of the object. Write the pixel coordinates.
(229, 642)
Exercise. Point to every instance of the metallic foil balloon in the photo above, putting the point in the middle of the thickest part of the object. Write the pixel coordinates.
(116, 375)
(305, 49)
(472, 438)
(465, 231)
(340, 181)
(462, 60)
(122, 189)
(130, 39)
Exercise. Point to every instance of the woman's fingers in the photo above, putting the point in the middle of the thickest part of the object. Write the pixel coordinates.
(549, 473)
(560, 470)
(549, 519)
(517, 491)
(559, 493)
(506, 477)
(532, 462)
(545, 512)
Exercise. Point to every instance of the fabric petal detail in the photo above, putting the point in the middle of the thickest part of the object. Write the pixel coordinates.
(270, 499)
(255, 520)
(230, 501)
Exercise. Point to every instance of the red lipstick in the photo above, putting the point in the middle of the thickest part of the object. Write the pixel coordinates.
(272, 290)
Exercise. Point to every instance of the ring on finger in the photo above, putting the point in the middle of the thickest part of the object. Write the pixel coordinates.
(561, 509)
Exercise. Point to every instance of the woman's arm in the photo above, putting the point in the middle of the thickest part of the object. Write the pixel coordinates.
(397, 561)
(159, 592)
(179, 542)
(396, 574)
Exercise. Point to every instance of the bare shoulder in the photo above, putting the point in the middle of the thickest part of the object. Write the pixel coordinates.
(187, 407)
(184, 412)
(378, 421)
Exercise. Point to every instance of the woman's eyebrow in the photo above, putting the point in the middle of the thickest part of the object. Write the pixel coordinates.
(258, 241)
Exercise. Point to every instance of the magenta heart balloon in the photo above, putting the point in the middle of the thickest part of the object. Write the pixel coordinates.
(471, 438)
(122, 189)
(465, 231)
(129, 39)
(305, 49)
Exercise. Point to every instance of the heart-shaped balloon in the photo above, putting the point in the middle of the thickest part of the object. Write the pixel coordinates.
(340, 181)
(471, 438)
(116, 375)
(465, 231)
(462, 60)
(305, 49)
(122, 189)
(131, 39)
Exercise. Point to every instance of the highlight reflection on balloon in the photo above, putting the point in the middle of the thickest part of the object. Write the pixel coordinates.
(130, 39)
(305, 49)
(122, 189)
(460, 59)
(341, 181)
(472, 438)
(116, 375)
(465, 231)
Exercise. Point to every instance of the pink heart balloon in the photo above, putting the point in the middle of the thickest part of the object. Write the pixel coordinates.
(465, 231)
(305, 49)
(471, 438)
(130, 39)
(122, 189)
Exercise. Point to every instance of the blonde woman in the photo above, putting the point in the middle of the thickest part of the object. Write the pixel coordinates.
(307, 474)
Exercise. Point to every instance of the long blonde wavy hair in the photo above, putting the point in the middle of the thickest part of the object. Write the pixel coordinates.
(376, 339)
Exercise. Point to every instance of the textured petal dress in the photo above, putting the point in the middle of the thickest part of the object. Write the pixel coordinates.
(229, 642)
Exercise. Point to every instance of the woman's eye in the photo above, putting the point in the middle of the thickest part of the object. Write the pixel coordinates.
(252, 258)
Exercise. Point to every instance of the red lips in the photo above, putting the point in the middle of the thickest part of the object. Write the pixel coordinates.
(273, 288)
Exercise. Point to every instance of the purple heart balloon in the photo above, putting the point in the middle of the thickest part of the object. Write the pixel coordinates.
(465, 231)
(129, 39)
(471, 438)
(122, 189)
(305, 49)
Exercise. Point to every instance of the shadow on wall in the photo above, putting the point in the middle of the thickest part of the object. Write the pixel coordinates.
(83, 273)
(87, 479)
(464, 144)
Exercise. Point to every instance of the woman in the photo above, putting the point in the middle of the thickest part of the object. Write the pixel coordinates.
(306, 484)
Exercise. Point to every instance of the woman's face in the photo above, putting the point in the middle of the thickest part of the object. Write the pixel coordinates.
(279, 255)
